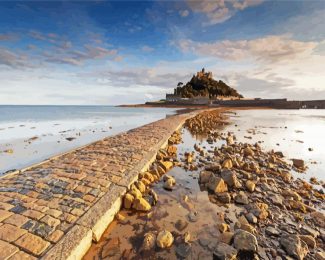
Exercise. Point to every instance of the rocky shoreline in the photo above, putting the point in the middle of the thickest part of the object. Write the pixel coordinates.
(267, 213)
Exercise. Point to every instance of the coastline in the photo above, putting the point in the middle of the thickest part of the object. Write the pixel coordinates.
(70, 199)
(82, 225)
(264, 207)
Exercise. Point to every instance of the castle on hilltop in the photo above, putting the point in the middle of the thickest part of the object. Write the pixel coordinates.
(203, 74)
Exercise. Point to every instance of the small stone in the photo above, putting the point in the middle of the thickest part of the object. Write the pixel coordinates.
(183, 250)
(217, 185)
(223, 227)
(241, 198)
(166, 165)
(248, 151)
(169, 184)
(224, 197)
(164, 239)
(251, 218)
(298, 163)
(141, 205)
(320, 255)
(230, 178)
(149, 241)
(293, 246)
(271, 231)
(128, 200)
(205, 176)
(181, 224)
(224, 252)
(227, 164)
(309, 240)
(245, 241)
(193, 216)
(141, 187)
(250, 185)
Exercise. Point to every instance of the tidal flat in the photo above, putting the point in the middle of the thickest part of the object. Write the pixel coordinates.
(241, 186)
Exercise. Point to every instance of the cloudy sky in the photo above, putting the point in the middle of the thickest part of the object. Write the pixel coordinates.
(107, 53)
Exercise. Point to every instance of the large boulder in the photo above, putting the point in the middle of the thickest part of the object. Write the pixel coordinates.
(294, 246)
(245, 241)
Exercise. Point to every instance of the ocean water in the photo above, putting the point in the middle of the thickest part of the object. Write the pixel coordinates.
(299, 134)
(30, 134)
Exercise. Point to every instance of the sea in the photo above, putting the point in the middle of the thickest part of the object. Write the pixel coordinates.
(31, 134)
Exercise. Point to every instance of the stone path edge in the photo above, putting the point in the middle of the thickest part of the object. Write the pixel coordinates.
(90, 227)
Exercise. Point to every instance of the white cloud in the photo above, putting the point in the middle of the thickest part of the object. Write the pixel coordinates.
(268, 49)
(184, 13)
(218, 11)
(147, 48)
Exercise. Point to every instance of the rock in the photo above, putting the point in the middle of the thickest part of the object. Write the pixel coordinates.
(135, 192)
(271, 231)
(241, 198)
(250, 185)
(306, 230)
(181, 224)
(141, 205)
(227, 164)
(141, 187)
(318, 218)
(229, 140)
(224, 197)
(293, 246)
(291, 194)
(148, 176)
(120, 218)
(164, 239)
(298, 163)
(193, 216)
(154, 196)
(166, 165)
(128, 200)
(204, 242)
(223, 227)
(217, 185)
(248, 151)
(286, 176)
(224, 252)
(247, 227)
(320, 255)
(245, 241)
(230, 178)
(169, 184)
(309, 240)
(251, 218)
(149, 241)
(172, 150)
(205, 176)
(183, 250)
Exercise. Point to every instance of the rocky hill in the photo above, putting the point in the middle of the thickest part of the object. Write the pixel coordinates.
(203, 84)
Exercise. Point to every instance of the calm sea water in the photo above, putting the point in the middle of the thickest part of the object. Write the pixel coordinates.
(297, 133)
(34, 133)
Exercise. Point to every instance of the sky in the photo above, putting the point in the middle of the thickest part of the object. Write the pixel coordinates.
(123, 52)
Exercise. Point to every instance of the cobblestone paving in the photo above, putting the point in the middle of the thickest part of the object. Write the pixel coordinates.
(41, 204)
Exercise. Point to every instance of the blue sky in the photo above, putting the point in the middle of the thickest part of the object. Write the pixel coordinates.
(113, 52)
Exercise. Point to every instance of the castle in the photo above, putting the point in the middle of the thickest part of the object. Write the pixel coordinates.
(203, 74)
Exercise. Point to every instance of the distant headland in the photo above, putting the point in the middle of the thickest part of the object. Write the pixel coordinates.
(204, 91)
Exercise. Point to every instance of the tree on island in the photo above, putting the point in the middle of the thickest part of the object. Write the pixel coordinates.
(203, 84)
